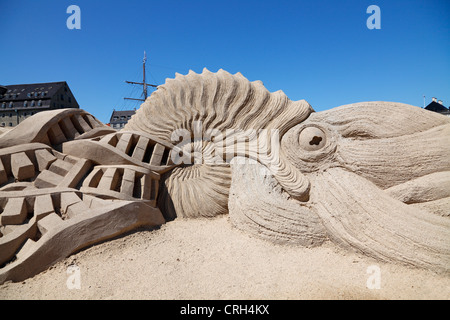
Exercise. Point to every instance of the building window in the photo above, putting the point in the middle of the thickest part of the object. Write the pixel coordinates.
(25, 114)
(70, 99)
(11, 104)
(36, 94)
(4, 105)
(25, 103)
(33, 103)
(3, 115)
(62, 97)
(29, 95)
(3, 124)
(10, 124)
(39, 103)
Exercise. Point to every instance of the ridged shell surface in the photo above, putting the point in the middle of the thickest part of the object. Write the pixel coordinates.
(225, 115)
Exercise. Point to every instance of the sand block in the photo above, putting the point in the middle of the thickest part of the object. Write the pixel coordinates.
(60, 167)
(15, 211)
(94, 202)
(56, 135)
(75, 173)
(43, 206)
(44, 159)
(47, 179)
(110, 179)
(21, 166)
(157, 155)
(76, 209)
(72, 205)
(93, 122)
(3, 175)
(146, 187)
(69, 129)
(108, 139)
(83, 124)
(124, 143)
(128, 182)
(49, 222)
(140, 148)
(26, 249)
(13, 237)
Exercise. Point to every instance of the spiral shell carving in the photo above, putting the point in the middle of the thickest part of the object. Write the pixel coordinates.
(223, 115)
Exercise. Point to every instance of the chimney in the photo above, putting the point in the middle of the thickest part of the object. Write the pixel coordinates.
(434, 99)
(440, 102)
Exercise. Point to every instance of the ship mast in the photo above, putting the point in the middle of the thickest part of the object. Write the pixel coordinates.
(143, 72)
(144, 84)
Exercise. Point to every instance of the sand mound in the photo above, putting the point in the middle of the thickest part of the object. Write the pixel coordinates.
(209, 259)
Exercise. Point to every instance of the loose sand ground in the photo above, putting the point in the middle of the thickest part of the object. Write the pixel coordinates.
(209, 259)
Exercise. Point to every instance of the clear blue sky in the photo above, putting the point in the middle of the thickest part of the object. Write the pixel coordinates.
(318, 50)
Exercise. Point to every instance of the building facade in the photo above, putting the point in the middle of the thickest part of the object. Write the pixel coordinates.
(120, 118)
(20, 101)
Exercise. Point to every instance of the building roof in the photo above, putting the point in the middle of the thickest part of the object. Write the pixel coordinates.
(32, 91)
(436, 107)
(123, 113)
(119, 114)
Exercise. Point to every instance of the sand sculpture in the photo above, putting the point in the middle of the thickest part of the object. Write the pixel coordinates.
(372, 177)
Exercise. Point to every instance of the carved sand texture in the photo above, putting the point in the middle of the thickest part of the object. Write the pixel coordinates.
(55, 127)
(195, 191)
(124, 147)
(260, 206)
(360, 216)
(356, 151)
(372, 177)
(379, 119)
(213, 104)
(59, 238)
(427, 188)
(382, 143)
(53, 204)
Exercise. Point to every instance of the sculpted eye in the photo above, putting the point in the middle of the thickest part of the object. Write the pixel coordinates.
(312, 139)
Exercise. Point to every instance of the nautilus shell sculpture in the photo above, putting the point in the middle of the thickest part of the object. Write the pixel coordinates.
(372, 177)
